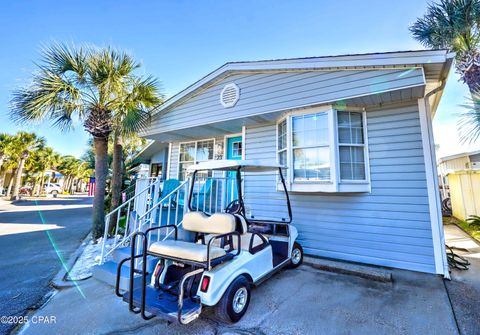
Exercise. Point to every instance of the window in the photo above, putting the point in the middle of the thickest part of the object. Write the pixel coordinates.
(156, 170)
(325, 151)
(310, 145)
(351, 146)
(192, 153)
(237, 149)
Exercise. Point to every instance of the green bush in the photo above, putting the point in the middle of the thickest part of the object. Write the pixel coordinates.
(474, 221)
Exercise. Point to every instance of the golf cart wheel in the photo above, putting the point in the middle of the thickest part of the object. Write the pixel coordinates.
(54, 193)
(235, 300)
(297, 256)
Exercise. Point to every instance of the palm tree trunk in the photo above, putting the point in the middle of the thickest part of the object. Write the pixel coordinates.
(117, 169)
(101, 170)
(68, 180)
(10, 182)
(18, 179)
(2, 178)
(42, 181)
(35, 184)
(471, 77)
(72, 186)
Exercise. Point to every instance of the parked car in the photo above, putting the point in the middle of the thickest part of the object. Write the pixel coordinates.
(52, 188)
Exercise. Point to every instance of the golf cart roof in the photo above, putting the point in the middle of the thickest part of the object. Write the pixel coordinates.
(250, 165)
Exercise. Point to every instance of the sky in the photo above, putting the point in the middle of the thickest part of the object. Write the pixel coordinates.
(180, 41)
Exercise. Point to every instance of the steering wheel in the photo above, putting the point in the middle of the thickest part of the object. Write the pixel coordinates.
(233, 207)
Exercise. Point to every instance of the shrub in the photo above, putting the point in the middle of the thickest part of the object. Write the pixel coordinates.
(474, 221)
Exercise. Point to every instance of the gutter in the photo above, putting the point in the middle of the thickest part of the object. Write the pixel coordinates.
(431, 151)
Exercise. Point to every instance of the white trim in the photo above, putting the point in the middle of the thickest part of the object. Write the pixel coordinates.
(363, 61)
(334, 149)
(441, 264)
(335, 184)
(169, 159)
(366, 158)
(244, 133)
(367, 151)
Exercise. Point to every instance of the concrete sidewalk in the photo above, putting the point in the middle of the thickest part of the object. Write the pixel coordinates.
(464, 288)
(301, 301)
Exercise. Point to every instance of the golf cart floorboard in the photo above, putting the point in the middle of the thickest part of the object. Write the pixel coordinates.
(162, 303)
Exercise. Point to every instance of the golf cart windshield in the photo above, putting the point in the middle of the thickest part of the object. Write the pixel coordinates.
(247, 187)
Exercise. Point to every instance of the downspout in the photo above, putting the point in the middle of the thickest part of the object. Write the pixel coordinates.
(446, 273)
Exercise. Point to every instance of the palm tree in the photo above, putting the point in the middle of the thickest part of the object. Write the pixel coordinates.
(454, 25)
(6, 147)
(25, 144)
(5, 141)
(86, 83)
(68, 166)
(132, 116)
(40, 162)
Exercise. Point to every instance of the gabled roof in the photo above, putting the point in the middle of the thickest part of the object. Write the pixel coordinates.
(382, 60)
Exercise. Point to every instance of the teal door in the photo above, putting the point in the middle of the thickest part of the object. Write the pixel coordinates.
(234, 147)
(234, 151)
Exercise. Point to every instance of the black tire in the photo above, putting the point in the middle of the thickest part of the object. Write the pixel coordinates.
(54, 193)
(224, 310)
(297, 256)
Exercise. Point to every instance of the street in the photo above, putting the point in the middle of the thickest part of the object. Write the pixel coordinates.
(36, 236)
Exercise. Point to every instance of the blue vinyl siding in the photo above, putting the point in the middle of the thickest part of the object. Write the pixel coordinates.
(389, 226)
(267, 92)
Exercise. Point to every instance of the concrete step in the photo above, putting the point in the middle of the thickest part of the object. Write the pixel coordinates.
(107, 273)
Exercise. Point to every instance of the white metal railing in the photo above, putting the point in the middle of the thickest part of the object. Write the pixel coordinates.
(210, 195)
(140, 202)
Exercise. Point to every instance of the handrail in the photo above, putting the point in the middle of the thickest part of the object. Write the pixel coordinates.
(139, 222)
(117, 210)
(161, 202)
(131, 199)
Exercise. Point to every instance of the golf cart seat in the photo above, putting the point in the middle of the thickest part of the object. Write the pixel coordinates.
(198, 222)
(186, 250)
(245, 236)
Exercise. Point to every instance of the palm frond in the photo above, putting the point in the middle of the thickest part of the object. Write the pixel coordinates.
(450, 24)
(469, 121)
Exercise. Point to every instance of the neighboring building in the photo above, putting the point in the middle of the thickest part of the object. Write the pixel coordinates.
(460, 181)
(355, 132)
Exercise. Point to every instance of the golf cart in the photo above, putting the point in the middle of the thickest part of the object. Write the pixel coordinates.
(220, 256)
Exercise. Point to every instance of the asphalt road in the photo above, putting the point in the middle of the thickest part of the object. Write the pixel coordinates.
(34, 236)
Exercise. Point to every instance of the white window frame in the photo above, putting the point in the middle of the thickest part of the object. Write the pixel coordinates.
(195, 161)
(335, 184)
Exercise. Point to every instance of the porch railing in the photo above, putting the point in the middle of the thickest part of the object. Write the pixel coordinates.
(140, 202)
(210, 195)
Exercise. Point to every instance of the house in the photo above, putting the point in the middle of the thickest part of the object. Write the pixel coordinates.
(459, 177)
(355, 132)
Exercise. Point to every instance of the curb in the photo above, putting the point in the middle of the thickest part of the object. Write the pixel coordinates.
(353, 269)
(59, 281)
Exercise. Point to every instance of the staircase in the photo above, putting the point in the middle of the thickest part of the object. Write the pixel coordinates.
(148, 208)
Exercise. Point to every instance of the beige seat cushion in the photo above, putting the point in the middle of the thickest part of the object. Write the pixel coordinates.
(217, 223)
(244, 241)
(186, 250)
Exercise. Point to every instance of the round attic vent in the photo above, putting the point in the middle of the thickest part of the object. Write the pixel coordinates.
(229, 95)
